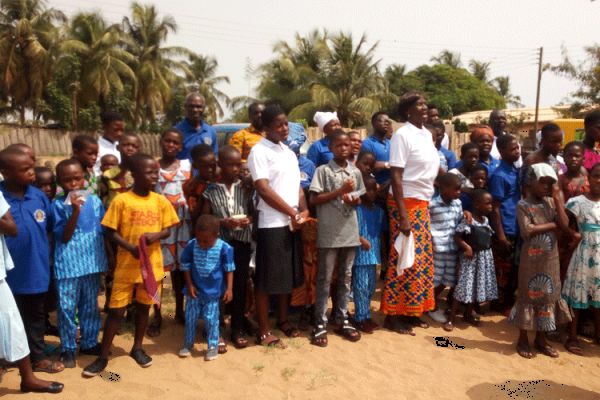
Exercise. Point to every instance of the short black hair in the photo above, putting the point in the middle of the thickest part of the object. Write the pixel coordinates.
(406, 102)
(172, 130)
(431, 106)
(271, 112)
(8, 153)
(597, 165)
(376, 115)
(108, 117)
(550, 128)
(570, 145)
(336, 135)
(478, 194)
(365, 153)
(467, 147)
(80, 142)
(136, 161)
(66, 163)
(42, 170)
(503, 141)
(478, 168)
(591, 118)
(132, 135)
(436, 125)
(207, 222)
(19, 147)
(226, 151)
(109, 155)
(447, 180)
(254, 105)
(200, 151)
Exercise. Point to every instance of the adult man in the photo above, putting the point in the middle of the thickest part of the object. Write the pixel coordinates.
(433, 116)
(379, 144)
(319, 152)
(246, 138)
(195, 130)
(498, 124)
(112, 126)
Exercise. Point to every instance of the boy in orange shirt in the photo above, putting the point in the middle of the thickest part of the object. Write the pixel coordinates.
(135, 214)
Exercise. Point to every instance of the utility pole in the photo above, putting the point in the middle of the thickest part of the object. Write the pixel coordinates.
(537, 95)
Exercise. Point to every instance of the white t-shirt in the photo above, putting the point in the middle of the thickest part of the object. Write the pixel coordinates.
(279, 165)
(106, 147)
(496, 154)
(6, 263)
(446, 141)
(411, 148)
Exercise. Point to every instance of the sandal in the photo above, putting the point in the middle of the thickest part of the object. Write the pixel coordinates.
(418, 322)
(154, 328)
(239, 340)
(448, 326)
(288, 329)
(269, 340)
(573, 346)
(546, 350)
(348, 332)
(222, 346)
(319, 336)
(48, 366)
(472, 320)
(524, 350)
(395, 325)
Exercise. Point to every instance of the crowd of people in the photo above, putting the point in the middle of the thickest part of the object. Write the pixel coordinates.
(254, 229)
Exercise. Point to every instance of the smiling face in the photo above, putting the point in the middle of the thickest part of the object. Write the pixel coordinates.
(417, 113)
(145, 174)
(278, 130)
(194, 109)
(484, 141)
(331, 126)
(171, 144)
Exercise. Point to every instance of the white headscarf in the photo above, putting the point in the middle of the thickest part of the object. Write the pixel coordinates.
(541, 170)
(323, 118)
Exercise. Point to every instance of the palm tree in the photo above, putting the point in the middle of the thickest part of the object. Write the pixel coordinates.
(448, 57)
(27, 34)
(204, 80)
(155, 69)
(104, 62)
(502, 85)
(480, 70)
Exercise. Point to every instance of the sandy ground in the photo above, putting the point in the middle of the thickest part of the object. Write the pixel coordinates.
(384, 365)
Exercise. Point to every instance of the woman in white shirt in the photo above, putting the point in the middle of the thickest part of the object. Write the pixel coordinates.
(414, 166)
(281, 211)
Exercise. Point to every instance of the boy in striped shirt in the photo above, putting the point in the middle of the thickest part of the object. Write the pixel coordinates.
(446, 212)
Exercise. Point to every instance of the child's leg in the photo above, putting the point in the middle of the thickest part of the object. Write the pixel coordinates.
(31, 308)
(327, 259)
(372, 275)
(178, 283)
(360, 290)
(523, 348)
(111, 326)
(192, 314)
(241, 254)
(68, 293)
(142, 313)
(89, 316)
(210, 315)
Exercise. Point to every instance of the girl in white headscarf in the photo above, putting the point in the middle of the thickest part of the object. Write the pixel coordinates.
(319, 152)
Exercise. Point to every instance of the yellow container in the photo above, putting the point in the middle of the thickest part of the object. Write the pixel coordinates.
(572, 128)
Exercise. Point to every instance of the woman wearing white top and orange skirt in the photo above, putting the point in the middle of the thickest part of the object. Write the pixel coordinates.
(414, 166)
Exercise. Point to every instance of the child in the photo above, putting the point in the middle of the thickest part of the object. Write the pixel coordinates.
(574, 182)
(356, 143)
(77, 232)
(15, 350)
(447, 157)
(591, 123)
(335, 191)
(476, 277)
(133, 216)
(479, 179)
(469, 159)
(365, 162)
(29, 249)
(107, 162)
(368, 256)
(113, 126)
(539, 306)
(85, 150)
(205, 162)
(208, 267)
(230, 203)
(172, 175)
(118, 179)
(505, 190)
(446, 213)
(550, 144)
(45, 181)
(581, 290)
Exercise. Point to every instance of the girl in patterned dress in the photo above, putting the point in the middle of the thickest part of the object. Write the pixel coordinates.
(539, 306)
(581, 289)
(476, 274)
(173, 173)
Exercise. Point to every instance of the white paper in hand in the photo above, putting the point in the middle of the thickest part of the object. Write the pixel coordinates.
(405, 246)
(82, 194)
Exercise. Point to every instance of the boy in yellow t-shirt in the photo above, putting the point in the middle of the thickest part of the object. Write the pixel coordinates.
(136, 213)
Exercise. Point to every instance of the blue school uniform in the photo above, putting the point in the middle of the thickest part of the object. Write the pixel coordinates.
(490, 168)
(504, 188)
(78, 277)
(364, 272)
(29, 249)
(307, 171)
(319, 152)
(207, 269)
(449, 156)
(381, 149)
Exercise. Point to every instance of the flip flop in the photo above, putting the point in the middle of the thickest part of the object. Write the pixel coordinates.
(524, 351)
(239, 340)
(546, 350)
(288, 329)
(269, 340)
(319, 336)
(222, 347)
(52, 368)
(573, 346)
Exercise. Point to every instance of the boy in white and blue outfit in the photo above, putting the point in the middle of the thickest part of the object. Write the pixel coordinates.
(79, 263)
(207, 263)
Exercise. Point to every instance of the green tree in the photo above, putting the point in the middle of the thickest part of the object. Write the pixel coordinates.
(27, 36)
(480, 70)
(204, 79)
(502, 85)
(447, 57)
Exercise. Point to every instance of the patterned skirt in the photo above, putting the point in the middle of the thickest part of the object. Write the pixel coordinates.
(410, 294)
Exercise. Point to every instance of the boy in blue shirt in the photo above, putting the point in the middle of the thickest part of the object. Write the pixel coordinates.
(79, 260)
(207, 264)
(506, 193)
(29, 249)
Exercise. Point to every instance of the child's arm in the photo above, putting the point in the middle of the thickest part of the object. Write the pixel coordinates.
(562, 219)
(72, 221)
(464, 246)
(496, 220)
(365, 244)
(7, 225)
(120, 241)
(190, 285)
(152, 237)
(526, 225)
(228, 296)
(325, 197)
